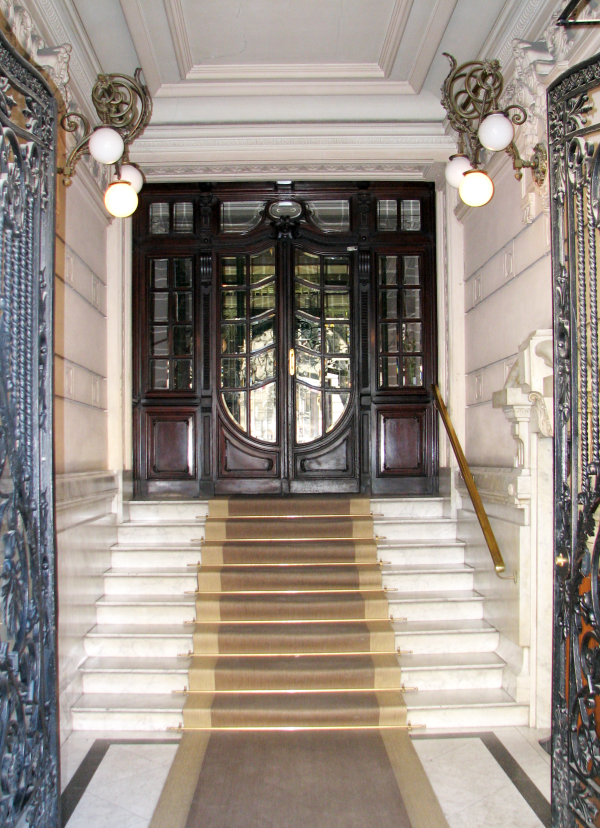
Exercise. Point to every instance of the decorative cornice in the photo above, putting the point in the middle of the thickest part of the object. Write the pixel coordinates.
(240, 170)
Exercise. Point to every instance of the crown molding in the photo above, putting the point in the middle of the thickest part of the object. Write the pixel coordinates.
(240, 171)
(59, 25)
(270, 88)
(264, 151)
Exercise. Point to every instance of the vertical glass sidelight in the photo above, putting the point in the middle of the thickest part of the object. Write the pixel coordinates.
(323, 372)
(171, 324)
(400, 322)
(248, 360)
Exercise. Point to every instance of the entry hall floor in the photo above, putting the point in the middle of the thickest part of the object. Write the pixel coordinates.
(483, 779)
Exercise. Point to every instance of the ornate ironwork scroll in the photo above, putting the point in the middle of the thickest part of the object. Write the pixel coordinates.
(574, 134)
(29, 770)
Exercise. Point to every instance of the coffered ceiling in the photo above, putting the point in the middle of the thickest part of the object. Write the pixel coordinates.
(329, 82)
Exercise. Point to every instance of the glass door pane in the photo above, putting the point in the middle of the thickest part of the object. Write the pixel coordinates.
(248, 359)
(322, 343)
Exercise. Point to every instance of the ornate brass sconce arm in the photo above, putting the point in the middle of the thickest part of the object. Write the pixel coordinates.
(470, 93)
(122, 103)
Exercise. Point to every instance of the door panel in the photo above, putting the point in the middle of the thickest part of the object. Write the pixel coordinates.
(284, 339)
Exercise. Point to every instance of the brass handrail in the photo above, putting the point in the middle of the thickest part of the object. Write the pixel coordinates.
(482, 517)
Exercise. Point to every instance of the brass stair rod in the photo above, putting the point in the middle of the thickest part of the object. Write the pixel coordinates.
(482, 517)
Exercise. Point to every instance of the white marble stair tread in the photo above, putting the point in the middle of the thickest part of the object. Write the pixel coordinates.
(427, 628)
(115, 664)
(145, 546)
(441, 699)
(129, 702)
(146, 598)
(435, 597)
(445, 661)
(139, 631)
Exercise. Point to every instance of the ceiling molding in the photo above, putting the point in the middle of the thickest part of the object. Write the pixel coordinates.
(181, 43)
(132, 9)
(374, 171)
(285, 71)
(393, 38)
(256, 88)
(430, 42)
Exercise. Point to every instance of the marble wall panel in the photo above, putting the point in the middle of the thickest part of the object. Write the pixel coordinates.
(85, 532)
(489, 441)
(80, 437)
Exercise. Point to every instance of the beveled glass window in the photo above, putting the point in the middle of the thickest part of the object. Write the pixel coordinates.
(322, 312)
(400, 322)
(171, 217)
(410, 212)
(387, 214)
(171, 328)
(330, 216)
(241, 216)
(248, 337)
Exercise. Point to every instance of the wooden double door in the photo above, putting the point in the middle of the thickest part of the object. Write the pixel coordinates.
(284, 339)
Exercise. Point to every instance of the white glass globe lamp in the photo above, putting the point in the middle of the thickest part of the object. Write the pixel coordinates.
(130, 173)
(106, 145)
(496, 132)
(121, 199)
(456, 168)
(476, 188)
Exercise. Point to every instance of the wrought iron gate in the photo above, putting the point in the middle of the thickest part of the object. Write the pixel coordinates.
(574, 135)
(29, 781)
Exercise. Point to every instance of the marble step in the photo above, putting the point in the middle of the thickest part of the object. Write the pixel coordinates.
(436, 606)
(409, 529)
(452, 671)
(113, 711)
(457, 636)
(146, 609)
(421, 553)
(154, 532)
(134, 675)
(175, 581)
(136, 557)
(465, 708)
(138, 640)
(410, 507)
(426, 578)
(167, 510)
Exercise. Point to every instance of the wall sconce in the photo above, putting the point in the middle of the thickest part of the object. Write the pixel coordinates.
(124, 107)
(470, 96)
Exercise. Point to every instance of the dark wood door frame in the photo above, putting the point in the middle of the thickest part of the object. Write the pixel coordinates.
(391, 430)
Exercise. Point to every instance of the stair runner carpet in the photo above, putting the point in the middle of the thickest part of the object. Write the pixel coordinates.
(294, 712)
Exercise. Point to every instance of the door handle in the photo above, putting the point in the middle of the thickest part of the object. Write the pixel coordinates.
(292, 362)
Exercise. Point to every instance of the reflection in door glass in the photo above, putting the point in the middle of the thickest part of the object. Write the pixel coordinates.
(388, 270)
(262, 333)
(337, 270)
(308, 367)
(263, 413)
(262, 299)
(262, 266)
(160, 273)
(308, 414)
(233, 339)
(182, 375)
(389, 372)
(159, 373)
(308, 267)
(233, 270)
(233, 372)
(308, 334)
(411, 337)
(388, 337)
(337, 373)
(241, 216)
(337, 305)
(331, 215)
(233, 304)
(262, 366)
(159, 340)
(235, 403)
(308, 299)
(337, 338)
(335, 405)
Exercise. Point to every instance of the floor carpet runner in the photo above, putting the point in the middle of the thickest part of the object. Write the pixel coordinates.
(294, 713)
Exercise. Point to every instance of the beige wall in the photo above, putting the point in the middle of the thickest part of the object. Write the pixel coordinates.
(85, 487)
(508, 295)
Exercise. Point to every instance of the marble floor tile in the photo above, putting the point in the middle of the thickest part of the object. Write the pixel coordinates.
(505, 808)
(531, 760)
(95, 812)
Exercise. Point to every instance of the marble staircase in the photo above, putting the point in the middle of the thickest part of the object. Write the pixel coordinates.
(136, 652)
